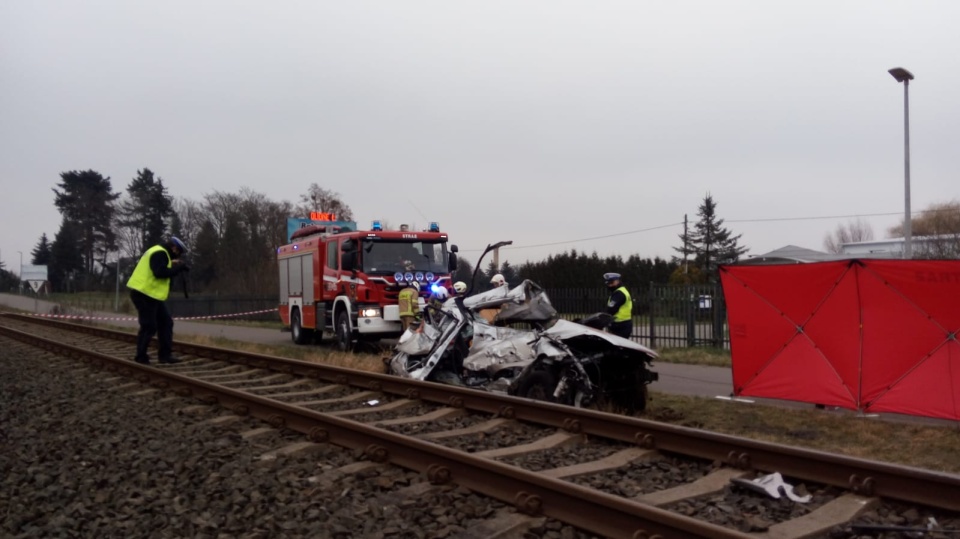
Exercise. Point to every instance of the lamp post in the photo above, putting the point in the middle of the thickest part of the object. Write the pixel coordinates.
(904, 76)
(20, 275)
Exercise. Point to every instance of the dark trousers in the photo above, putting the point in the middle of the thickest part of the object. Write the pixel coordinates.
(154, 319)
(622, 329)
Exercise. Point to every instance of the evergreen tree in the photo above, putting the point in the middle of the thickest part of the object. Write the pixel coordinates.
(42, 253)
(66, 257)
(464, 273)
(510, 274)
(85, 199)
(146, 211)
(712, 243)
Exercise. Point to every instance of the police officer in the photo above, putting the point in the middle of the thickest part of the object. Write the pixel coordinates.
(620, 305)
(408, 304)
(149, 287)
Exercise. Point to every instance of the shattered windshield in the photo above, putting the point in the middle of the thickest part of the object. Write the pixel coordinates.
(385, 256)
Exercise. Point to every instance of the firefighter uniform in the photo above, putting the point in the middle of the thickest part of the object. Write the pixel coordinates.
(408, 304)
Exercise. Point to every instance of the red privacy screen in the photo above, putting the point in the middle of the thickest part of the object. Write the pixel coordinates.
(869, 335)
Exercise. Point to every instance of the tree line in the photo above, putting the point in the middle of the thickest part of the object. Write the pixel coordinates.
(233, 239)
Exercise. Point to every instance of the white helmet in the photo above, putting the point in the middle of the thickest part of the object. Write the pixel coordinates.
(498, 280)
(459, 287)
(441, 293)
(415, 285)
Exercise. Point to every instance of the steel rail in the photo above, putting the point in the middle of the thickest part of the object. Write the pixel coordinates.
(531, 493)
(864, 477)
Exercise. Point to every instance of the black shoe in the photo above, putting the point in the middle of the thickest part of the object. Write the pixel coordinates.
(142, 360)
(169, 360)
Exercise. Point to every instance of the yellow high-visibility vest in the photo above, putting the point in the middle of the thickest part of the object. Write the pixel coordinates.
(143, 279)
(625, 312)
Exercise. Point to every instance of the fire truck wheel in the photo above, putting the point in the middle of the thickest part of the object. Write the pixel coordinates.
(297, 333)
(344, 338)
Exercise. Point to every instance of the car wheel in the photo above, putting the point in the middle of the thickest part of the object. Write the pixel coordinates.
(344, 338)
(633, 399)
(297, 333)
(538, 385)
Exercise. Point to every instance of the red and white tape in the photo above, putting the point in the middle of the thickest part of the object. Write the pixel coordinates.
(77, 316)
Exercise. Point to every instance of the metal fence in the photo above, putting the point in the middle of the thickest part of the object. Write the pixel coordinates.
(664, 316)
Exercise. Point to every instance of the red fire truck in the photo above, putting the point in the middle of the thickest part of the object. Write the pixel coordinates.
(347, 282)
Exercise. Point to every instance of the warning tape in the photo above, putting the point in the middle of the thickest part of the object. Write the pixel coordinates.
(81, 317)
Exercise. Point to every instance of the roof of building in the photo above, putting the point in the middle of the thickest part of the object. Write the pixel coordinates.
(792, 254)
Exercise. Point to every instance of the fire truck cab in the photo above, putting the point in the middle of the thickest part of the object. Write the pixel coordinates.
(347, 282)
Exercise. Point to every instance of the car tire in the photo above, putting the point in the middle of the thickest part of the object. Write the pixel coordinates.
(297, 332)
(538, 384)
(344, 338)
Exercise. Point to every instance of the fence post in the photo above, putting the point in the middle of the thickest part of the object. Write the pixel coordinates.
(653, 326)
(689, 299)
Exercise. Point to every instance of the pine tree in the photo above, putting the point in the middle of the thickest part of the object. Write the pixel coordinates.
(712, 243)
(85, 200)
(42, 253)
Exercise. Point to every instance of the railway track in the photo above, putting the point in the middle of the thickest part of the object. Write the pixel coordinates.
(606, 474)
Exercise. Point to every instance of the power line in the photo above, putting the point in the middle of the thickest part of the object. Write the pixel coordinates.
(659, 227)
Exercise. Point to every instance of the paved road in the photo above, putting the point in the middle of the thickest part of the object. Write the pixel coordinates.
(678, 379)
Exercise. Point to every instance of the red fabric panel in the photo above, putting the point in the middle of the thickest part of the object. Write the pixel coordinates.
(835, 331)
(877, 335)
(801, 373)
(765, 308)
(897, 335)
(931, 389)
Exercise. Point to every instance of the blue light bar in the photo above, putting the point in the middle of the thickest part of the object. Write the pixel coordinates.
(434, 226)
(377, 225)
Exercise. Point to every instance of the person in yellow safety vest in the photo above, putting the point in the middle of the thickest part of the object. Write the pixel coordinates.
(149, 287)
(407, 301)
(620, 305)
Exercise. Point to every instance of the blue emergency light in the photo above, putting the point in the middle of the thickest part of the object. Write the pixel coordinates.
(434, 226)
(377, 225)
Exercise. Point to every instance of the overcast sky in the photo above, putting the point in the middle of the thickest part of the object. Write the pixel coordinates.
(540, 122)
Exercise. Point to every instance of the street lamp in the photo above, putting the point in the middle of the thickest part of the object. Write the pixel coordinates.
(20, 276)
(904, 76)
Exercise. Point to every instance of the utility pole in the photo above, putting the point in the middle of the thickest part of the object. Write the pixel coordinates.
(685, 266)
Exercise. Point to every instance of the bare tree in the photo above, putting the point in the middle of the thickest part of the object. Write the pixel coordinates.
(937, 230)
(850, 232)
(324, 200)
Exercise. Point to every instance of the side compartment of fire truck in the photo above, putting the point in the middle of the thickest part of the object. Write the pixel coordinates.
(300, 310)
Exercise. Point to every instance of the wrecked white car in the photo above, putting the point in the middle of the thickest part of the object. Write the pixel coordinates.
(480, 342)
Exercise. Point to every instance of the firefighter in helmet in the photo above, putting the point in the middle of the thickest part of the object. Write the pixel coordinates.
(407, 302)
(460, 288)
(497, 281)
